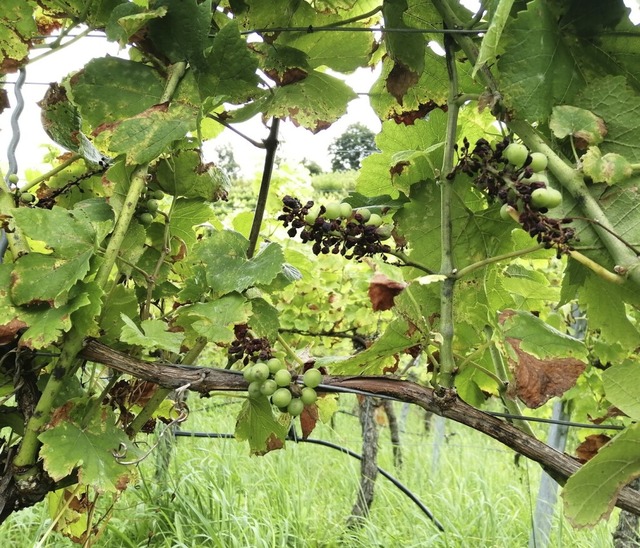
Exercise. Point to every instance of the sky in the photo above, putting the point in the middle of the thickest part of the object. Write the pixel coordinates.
(296, 143)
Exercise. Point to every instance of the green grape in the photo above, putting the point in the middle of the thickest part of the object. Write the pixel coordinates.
(311, 217)
(540, 178)
(13, 178)
(261, 371)
(282, 377)
(364, 213)
(281, 397)
(274, 365)
(268, 387)
(312, 378)
(504, 212)
(308, 395)
(295, 407)
(345, 210)
(546, 197)
(516, 154)
(384, 231)
(157, 194)
(374, 220)
(27, 197)
(152, 205)
(538, 161)
(145, 219)
(332, 210)
(249, 374)
(254, 389)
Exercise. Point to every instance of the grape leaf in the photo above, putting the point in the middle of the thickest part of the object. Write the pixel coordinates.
(257, 424)
(127, 19)
(185, 216)
(314, 102)
(229, 68)
(185, 174)
(214, 320)
(404, 48)
(227, 268)
(17, 28)
(264, 319)
(618, 105)
(582, 124)
(147, 135)
(70, 444)
(122, 301)
(489, 46)
(610, 168)
(621, 383)
(590, 493)
(537, 69)
(110, 89)
(382, 355)
(540, 339)
(408, 154)
(154, 334)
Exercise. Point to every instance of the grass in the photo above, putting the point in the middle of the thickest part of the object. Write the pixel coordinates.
(217, 495)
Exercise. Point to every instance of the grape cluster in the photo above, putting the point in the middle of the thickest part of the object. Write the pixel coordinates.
(272, 379)
(247, 348)
(148, 206)
(512, 175)
(336, 228)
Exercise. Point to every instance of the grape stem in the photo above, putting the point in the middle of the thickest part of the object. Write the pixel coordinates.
(495, 259)
(72, 159)
(289, 350)
(409, 262)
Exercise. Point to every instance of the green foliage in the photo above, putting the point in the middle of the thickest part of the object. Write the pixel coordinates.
(137, 247)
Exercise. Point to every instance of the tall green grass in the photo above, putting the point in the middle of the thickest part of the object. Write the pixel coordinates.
(217, 495)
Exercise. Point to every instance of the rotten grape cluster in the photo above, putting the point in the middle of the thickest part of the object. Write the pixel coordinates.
(336, 228)
(246, 348)
(272, 379)
(512, 175)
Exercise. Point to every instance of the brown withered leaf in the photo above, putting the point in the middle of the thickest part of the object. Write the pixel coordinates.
(537, 381)
(383, 290)
(273, 443)
(4, 100)
(590, 446)
(9, 331)
(400, 79)
(380, 416)
(408, 117)
(308, 420)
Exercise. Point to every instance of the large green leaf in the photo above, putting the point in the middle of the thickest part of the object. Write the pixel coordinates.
(227, 268)
(110, 89)
(589, 495)
(622, 387)
(90, 447)
(151, 334)
(17, 28)
(537, 69)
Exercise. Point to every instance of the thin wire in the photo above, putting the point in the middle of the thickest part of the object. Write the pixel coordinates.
(311, 29)
(555, 421)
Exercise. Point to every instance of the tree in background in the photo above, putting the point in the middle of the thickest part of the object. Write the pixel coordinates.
(348, 150)
(226, 161)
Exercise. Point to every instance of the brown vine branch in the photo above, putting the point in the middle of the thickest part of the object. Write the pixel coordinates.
(204, 380)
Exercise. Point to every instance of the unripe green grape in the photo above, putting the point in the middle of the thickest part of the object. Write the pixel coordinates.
(308, 395)
(332, 210)
(152, 205)
(261, 371)
(282, 377)
(540, 178)
(13, 178)
(312, 378)
(384, 231)
(254, 389)
(281, 397)
(364, 213)
(295, 407)
(249, 374)
(374, 220)
(516, 154)
(145, 219)
(504, 212)
(268, 387)
(157, 194)
(546, 197)
(274, 365)
(311, 217)
(345, 210)
(27, 197)
(538, 161)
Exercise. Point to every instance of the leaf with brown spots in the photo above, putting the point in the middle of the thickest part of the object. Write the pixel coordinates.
(537, 381)
(383, 290)
(400, 79)
(308, 420)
